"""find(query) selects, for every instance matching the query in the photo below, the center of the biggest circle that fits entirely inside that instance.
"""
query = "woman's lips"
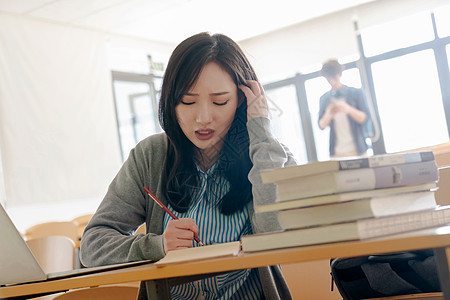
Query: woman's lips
(204, 134)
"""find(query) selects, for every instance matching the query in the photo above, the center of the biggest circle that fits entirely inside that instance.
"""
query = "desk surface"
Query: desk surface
(431, 238)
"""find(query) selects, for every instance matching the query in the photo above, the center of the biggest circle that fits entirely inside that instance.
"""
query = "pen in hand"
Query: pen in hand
(167, 210)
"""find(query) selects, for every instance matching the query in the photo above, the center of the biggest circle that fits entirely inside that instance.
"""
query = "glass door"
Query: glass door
(136, 108)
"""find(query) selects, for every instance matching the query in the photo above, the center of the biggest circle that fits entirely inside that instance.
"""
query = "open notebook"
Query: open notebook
(18, 264)
(200, 253)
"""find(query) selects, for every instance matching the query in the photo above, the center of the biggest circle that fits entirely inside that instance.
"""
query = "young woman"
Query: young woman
(205, 167)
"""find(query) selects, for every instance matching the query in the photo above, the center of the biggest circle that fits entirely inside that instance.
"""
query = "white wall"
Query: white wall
(2, 185)
(128, 54)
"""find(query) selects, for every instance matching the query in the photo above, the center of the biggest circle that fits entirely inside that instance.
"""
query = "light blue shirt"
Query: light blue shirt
(215, 227)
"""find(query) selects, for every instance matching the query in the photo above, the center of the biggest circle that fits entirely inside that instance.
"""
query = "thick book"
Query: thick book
(200, 253)
(280, 174)
(358, 180)
(357, 230)
(342, 197)
(356, 209)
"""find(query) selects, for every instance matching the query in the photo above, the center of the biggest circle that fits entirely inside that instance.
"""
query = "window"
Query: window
(286, 122)
(447, 48)
(409, 101)
(442, 17)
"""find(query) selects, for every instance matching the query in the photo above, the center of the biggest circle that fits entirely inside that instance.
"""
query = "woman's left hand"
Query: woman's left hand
(256, 100)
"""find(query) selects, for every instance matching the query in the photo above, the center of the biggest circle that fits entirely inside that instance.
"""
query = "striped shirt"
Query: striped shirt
(215, 227)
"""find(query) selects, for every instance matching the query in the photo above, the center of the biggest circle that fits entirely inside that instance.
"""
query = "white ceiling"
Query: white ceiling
(173, 20)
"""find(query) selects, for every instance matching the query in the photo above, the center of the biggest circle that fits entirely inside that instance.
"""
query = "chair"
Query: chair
(141, 229)
(81, 223)
(101, 292)
(54, 253)
(443, 193)
(68, 229)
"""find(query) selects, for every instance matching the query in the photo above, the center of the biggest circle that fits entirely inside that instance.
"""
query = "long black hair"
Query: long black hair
(180, 176)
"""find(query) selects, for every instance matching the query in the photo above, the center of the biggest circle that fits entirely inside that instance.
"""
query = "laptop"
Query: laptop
(18, 264)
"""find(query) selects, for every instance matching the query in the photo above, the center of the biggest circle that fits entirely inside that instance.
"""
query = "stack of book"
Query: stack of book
(351, 199)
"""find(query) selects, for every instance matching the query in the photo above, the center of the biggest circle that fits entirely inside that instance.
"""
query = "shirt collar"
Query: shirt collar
(210, 172)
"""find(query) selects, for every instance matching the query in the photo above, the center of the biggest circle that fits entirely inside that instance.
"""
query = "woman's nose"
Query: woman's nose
(204, 114)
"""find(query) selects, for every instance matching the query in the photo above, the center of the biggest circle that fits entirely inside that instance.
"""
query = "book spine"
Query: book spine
(406, 174)
(386, 160)
(387, 176)
(309, 186)
(376, 227)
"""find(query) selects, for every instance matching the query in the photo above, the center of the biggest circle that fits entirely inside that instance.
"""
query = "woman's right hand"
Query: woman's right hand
(256, 100)
(179, 234)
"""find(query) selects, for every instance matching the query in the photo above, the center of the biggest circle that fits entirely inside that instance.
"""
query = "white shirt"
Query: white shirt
(345, 146)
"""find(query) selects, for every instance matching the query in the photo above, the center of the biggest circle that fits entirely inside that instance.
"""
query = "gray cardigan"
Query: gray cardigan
(109, 239)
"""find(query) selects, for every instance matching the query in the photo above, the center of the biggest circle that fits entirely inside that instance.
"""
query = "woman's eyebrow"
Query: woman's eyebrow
(219, 93)
(211, 94)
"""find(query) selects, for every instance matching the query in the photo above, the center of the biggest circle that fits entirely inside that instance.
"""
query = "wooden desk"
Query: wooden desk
(439, 239)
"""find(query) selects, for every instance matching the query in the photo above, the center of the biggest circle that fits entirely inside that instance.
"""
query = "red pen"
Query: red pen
(167, 210)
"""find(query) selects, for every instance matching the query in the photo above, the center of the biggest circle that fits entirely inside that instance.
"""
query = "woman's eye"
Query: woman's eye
(187, 102)
(221, 103)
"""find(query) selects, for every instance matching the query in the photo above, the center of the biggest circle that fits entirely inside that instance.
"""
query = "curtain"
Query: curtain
(58, 133)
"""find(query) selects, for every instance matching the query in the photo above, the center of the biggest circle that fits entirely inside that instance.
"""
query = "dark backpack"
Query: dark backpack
(392, 274)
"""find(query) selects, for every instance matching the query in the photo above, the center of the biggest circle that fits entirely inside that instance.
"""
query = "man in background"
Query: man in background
(345, 110)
